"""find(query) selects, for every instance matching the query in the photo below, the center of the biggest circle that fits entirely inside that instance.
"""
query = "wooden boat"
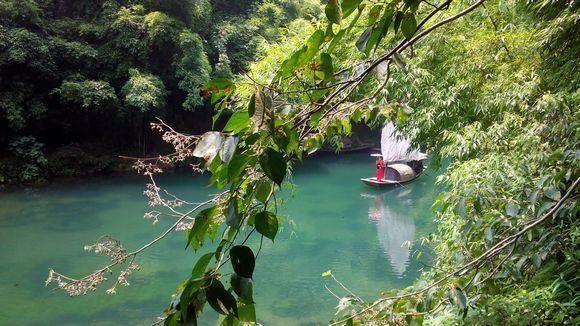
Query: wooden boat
(397, 163)
(397, 174)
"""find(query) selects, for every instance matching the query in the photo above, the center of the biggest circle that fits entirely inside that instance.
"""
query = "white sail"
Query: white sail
(395, 148)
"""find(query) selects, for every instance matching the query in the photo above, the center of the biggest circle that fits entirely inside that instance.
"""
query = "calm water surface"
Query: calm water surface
(332, 221)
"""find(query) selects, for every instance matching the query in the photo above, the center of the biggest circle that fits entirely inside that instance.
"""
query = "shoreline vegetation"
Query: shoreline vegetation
(82, 80)
(247, 89)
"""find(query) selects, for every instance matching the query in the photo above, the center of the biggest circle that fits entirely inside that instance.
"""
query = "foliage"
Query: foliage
(90, 94)
(118, 60)
(144, 91)
(27, 161)
(489, 87)
(194, 68)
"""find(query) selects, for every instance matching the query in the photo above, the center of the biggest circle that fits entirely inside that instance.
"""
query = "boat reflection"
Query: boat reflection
(394, 225)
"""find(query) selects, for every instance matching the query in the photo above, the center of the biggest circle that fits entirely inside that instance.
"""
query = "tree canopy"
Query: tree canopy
(490, 86)
(92, 73)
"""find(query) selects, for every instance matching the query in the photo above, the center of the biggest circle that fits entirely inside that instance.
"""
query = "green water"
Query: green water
(333, 222)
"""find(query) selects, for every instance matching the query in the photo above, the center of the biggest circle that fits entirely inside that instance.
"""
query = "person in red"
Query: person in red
(380, 168)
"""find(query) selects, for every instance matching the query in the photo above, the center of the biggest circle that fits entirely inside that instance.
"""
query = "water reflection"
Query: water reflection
(394, 225)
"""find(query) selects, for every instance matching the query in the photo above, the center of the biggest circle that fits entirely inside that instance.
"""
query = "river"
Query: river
(332, 222)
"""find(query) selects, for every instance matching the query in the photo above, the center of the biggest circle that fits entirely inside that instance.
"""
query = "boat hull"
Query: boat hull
(383, 183)
(373, 182)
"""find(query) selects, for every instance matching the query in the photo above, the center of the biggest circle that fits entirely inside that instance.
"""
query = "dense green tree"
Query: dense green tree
(87, 72)
(491, 86)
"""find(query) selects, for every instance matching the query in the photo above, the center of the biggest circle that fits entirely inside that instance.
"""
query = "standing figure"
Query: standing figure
(380, 168)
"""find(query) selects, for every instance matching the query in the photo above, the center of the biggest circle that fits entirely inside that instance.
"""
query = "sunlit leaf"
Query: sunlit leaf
(348, 6)
(237, 165)
(247, 312)
(208, 145)
(312, 46)
(374, 14)
(264, 190)
(201, 225)
(333, 11)
(201, 265)
(239, 121)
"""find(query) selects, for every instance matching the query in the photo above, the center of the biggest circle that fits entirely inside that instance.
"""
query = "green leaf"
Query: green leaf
(488, 234)
(237, 165)
(239, 121)
(336, 40)
(242, 286)
(290, 64)
(333, 11)
(398, 18)
(201, 265)
(458, 298)
(243, 261)
(267, 224)
(221, 300)
(383, 26)
(230, 320)
(374, 14)
(373, 39)
(189, 316)
(312, 46)
(512, 209)
(196, 235)
(273, 165)
(232, 215)
(247, 312)
(461, 208)
(325, 70)
(293, 142)
(348, 6)
(172, 320)
(553, 193)
(263, 191)
(363, 39)
(409, 25)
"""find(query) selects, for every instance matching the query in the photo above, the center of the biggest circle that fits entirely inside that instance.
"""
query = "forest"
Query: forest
(82, 80)
(247, 90)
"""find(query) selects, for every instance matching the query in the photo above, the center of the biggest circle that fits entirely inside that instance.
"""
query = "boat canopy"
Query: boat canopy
(396, 148)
